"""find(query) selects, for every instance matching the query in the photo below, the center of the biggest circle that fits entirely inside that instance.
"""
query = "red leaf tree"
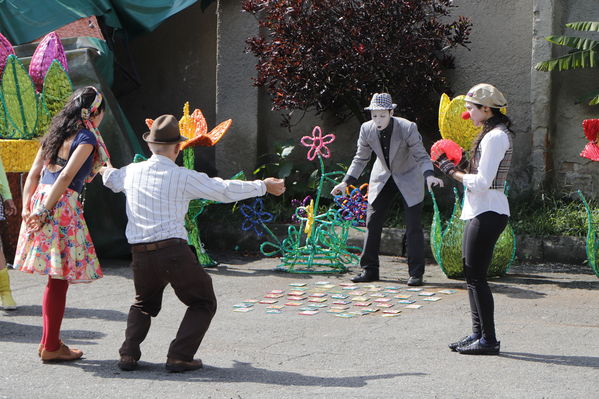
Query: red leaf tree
(331, 55)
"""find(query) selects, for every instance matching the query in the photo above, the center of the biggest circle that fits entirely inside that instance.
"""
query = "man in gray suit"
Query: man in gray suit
(402, 165)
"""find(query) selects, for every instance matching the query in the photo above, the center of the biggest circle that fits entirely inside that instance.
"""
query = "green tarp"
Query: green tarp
(23, 21)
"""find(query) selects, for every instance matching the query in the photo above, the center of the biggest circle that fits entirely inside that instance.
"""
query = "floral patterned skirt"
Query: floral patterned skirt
(62, 248)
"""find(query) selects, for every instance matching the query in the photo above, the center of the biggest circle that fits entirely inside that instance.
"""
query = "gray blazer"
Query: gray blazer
(408, 158)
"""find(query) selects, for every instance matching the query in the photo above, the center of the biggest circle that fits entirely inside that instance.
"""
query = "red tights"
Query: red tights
(53, 304)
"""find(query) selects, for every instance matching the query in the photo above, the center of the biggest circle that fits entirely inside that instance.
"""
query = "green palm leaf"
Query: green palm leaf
(19, 98)
(584, 26)
(579, 43)
(594, 100)
(575, 60)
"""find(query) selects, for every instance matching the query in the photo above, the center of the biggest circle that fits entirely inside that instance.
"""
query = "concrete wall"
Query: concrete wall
(570, 171)
(176, 63)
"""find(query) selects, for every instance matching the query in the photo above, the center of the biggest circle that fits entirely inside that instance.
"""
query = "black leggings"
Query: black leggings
(480, 235)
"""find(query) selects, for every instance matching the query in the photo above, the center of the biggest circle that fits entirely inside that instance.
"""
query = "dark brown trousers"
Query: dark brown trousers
(154, 266)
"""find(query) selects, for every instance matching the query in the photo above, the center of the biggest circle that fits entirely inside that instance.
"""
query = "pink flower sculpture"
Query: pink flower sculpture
(317, 143)
(49, 49)
(591, 131)
(5, 50)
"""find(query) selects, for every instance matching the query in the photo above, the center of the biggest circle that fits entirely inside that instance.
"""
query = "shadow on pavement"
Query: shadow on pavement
(26, 333)
(70, 313)
(240, 372)
(560, 360)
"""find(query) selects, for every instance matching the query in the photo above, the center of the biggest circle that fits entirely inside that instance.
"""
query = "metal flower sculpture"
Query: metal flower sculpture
(318, 143)
(319, 243)
(296, 204)
(353, 207)
(255, 216)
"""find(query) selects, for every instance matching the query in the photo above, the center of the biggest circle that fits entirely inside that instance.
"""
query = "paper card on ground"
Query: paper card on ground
(384, 305)
(273, 295)
(342, 307)
(322, 283)
(243, 310)
(295, 298)
(341, 302)
(432, 299)
(361, 304)
(308, 312)
(413, 306)
(350, 287)
(345, 315)
(390, 314)
(274, 311)
(414, 289)
(359, 298)
(297, 284)
(268, 301)
(447, 292)
(275, 307)
(296, 293)
(402, 296)
(250, 301)
(294, 304)
(242, 305)
(382, 300)
(391, 311)
(426, 293)
(318, 300)
(408, 301)
(317, 295)
(339, 296)
(276, 291)
(359, 293)
(317, 305)
(335, 310)
(378, 295)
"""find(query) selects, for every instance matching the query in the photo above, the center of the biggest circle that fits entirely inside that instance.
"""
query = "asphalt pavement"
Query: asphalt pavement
(547, 319)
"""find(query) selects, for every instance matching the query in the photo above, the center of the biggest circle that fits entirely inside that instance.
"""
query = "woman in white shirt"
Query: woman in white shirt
(486, 210)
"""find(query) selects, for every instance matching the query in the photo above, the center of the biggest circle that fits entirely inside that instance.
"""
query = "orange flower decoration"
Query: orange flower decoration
(195, 128)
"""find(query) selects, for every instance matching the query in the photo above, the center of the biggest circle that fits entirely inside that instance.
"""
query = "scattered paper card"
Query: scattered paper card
(294, 304)
(414, 289)
(243, 310)
(432, 299)
(426, 293)
(268, 301)
(447, 292)
(309, 312)
(413, 306)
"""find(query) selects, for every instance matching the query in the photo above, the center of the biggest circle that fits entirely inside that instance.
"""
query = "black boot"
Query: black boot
(366, 276)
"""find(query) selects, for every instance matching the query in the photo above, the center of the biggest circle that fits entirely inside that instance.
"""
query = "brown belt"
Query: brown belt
(153, 246)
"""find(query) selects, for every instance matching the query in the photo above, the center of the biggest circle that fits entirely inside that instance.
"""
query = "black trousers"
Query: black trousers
(152, 271)
(480, 235)
(375, 217)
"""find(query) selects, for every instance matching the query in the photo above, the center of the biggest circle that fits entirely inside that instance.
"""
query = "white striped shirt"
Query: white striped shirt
(158, 192)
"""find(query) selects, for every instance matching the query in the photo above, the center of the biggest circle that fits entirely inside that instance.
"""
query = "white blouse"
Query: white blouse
(479, 197)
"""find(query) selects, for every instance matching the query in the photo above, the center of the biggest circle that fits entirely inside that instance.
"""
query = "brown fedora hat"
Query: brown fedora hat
(164, 130)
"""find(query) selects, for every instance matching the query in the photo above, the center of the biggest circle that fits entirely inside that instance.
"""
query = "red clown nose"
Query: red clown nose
(466, 115)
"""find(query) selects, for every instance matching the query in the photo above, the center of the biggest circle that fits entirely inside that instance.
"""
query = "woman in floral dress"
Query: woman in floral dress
(54, 239)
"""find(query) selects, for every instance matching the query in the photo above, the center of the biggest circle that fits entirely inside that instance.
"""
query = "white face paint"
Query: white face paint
(381, 118)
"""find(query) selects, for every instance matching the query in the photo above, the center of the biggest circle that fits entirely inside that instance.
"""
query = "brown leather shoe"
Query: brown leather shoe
(63, 354)
(177, 366)
(127, 363)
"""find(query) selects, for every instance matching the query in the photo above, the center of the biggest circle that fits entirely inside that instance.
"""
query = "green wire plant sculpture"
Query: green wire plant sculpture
(319, 244)
(447, 244)
(592, 242)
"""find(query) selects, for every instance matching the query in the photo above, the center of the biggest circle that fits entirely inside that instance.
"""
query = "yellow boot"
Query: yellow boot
(8, 303)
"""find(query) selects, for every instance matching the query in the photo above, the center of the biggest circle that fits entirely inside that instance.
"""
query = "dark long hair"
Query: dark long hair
(68, 122)
(498, 118)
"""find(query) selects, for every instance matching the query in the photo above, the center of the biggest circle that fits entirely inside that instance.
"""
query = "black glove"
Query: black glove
(463, 165)
(445, 165)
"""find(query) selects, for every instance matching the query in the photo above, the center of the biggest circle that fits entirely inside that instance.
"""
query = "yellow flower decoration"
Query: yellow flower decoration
(309, 219)
(451, 124)
(18, 155)
(187, 126)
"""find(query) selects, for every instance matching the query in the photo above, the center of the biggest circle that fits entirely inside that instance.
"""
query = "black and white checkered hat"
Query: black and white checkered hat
(380, 101)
